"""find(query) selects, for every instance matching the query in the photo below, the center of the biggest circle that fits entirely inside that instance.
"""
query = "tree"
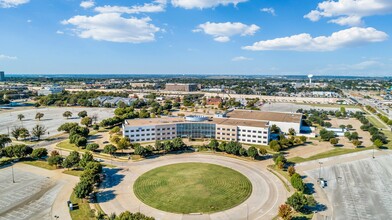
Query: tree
(21, 117)
(4, 139)
(115, 139)
(213, 145)
(222, 146)
(81, 142)
(38, 131)
(252, 152)
(285, 212)
(303, 138)
(263, 151)
(275, 129)
(15, 132)
(291, 170)
(39, 153)
(178, 144)
(39, 115)
(115, 130)
(83, 189)
(123, 143)
(72, 160)
(274, 145)
(349, 127)
(297, 182)
(87, 157)
(342, 127)
(298, 201)
(243, 152)
(326, 135)
(92, 146)
(86, 121)
(56, 160)
(334, 141)
(109, 149)
(292, 131)
(327, 124)
(67, 127)
(67, 114)
(378, 143)
(159, 145)
(82, 114)
(356, 143)
(139, 150)
(24, 133)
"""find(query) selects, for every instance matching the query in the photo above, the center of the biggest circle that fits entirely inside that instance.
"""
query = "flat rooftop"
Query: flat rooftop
(264, 116)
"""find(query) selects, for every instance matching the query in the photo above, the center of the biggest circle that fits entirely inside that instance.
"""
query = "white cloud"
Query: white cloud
(156, 6)
(5, 57)
(223, 31)
(190, 4)
(305, 42)
(12, 3)
(269, 10)
(87, 4)
(113, 27)
(240, 58)
(29, 21)
(59, 32)
(349, 12)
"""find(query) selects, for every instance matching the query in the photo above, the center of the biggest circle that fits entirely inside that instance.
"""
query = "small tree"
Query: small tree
(342, 127)
(109, 149)
(291, 170)
(39, 115)
(356, 143)
(86, 121)
(243, 152)
(56, 160)
(87, 157)
(292, 131)
(4, 139)
(67, 114)
(303, 138)
(39, 153)
(378, 143)
(252, 152)
(92, 146)
(123, 143)
(82, 114)
(263, 151)
(21, 117)
(274, 145)
(298, 201)
(285, 212)
(334, 141)
(38, 131)
(297, 182)
(213, 145)
(83, 189)
(275, 129)
(139, 150)
(349, 127)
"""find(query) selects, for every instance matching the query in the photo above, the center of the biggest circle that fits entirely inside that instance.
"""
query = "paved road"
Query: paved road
(268, 191)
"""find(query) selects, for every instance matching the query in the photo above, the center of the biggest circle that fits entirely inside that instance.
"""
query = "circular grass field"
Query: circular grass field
(192, 188)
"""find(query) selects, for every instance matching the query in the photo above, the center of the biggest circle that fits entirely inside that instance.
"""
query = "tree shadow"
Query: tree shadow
(309, 188)
(94, 137)
(112, 177)
(105, 196)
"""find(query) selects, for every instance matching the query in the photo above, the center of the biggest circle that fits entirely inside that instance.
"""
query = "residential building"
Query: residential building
(251, 127)
(181, 87)
(214, 101)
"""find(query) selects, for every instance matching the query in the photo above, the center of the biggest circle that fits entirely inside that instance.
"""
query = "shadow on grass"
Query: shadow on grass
(105, 196)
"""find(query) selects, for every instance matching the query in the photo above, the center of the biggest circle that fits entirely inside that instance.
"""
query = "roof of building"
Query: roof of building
(239, 122)
(265, 116)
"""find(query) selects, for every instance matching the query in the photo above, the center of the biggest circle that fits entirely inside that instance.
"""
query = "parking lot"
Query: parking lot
(359, 189)
(53, 117)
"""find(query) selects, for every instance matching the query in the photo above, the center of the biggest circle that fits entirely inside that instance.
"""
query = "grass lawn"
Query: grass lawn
(376, 122)
(83, 211)
(68, 146)
(335, 152)
(192, 188)
(330, 105)
(73, 172)
(41, 164)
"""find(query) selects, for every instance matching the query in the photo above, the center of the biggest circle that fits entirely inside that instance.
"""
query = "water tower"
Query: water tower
(310, 76)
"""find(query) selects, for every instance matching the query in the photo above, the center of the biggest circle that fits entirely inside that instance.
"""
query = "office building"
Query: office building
(2, 76)
(181, 87)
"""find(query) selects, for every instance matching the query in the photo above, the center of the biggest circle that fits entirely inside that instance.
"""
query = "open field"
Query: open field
(192, 188)
(358, 187)
(53, 117)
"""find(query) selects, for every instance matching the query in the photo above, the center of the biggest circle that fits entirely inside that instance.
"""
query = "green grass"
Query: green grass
(192, 188)
(331, 153)
(41, 164)
(68, 146)
(73, 172)
(83, 211)
(376, 122)
(330, 105)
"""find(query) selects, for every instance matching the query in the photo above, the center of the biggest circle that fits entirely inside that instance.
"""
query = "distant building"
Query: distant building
(181, 87)
(214, 101)
(143, 85)
(49, 90)
(111, 101)
(2, 76)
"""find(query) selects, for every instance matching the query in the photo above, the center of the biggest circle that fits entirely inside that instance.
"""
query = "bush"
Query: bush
(92, 146)
(81, 142)
(253, 152)
(298, 201)
(297, 182)
(39, 153)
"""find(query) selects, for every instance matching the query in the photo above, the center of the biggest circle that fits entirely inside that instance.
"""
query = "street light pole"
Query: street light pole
(12, 168)
(373, 152)
(320, 170)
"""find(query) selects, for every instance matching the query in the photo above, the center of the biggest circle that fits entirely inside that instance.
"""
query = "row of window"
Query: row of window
(224, 138)
(225, 134)
(168, 133)
(224, 129)
(152, 129)
(151, 139)
(254, 136)
(253, 131)
(253, 141)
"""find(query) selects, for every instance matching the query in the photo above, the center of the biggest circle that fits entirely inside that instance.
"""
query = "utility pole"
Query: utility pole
(320, 171)
(12, 168)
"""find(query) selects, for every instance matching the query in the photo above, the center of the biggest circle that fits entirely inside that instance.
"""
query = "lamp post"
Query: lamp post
(12, 169)
(320, 171)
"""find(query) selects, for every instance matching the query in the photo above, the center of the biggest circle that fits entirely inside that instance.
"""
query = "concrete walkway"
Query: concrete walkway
(268, 191)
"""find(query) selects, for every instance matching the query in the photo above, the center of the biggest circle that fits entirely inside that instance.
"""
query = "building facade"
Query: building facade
(181, 87)
(2, 76)
(48, 90)
(252, 129)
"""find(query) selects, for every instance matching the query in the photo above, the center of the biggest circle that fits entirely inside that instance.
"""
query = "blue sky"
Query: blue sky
(338, 37)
